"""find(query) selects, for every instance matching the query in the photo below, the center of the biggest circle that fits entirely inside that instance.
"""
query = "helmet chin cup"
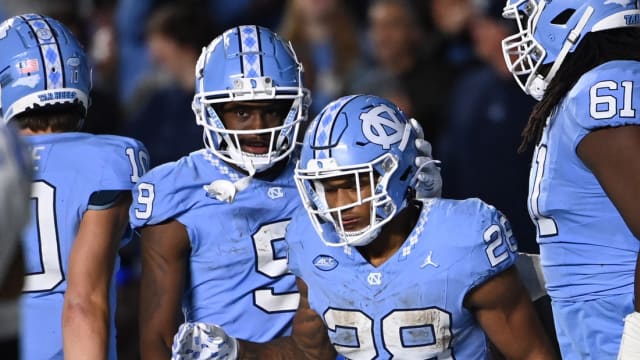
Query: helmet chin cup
(362, 238)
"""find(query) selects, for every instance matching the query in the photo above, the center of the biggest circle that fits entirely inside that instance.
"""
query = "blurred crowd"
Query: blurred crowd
(440, 60)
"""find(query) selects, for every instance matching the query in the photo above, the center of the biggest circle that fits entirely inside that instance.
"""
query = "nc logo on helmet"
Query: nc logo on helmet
(382, 130)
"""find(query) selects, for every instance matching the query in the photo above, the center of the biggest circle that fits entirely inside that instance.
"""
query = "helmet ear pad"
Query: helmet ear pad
(249, 64)
(43, 66)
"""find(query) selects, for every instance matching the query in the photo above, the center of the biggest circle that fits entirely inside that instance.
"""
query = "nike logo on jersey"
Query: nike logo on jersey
(428, 261)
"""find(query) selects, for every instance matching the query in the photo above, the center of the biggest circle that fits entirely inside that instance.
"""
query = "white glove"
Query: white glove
(429, 180)
(199, 341)
(630, 342)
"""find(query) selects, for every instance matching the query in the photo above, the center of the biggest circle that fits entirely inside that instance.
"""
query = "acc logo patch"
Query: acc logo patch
(325, 262)
(381, 126)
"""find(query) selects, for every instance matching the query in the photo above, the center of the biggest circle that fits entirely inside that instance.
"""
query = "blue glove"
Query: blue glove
(199, 341)
(429, 180)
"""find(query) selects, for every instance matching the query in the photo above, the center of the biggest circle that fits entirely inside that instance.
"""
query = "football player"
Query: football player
(580, 59)
(212, 223)
(383, 276)
(80, 193)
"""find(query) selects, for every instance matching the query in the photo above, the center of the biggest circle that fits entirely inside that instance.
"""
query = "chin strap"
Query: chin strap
(225, 190)
(538, 85)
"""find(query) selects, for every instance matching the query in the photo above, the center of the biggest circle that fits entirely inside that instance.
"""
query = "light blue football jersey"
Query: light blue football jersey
(238, 276)
(586, 249)
(69, 168)
(410, 307)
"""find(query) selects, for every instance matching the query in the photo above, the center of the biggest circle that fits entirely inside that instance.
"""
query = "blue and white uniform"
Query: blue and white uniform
(237, 275)
(411, 306)
(68, 169)
(588, 253)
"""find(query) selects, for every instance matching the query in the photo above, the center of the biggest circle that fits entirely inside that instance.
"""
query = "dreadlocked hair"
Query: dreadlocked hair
(595, 49)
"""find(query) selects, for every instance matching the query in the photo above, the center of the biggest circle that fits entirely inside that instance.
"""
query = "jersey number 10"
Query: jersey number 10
(44, 194)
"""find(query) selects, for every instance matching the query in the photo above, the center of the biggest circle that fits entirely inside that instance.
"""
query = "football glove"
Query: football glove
(429, 180)
(199, 341)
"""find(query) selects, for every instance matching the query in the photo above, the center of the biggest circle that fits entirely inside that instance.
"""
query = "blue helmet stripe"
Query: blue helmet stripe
(250, 51)
(322, 139)
(53, 49)
(26, 19)
(49, 51)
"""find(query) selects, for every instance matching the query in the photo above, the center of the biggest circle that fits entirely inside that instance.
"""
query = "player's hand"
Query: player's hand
(429, 182)
(197, 341)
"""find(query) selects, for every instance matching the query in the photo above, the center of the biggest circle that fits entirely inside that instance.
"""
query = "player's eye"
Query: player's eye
(241, 113)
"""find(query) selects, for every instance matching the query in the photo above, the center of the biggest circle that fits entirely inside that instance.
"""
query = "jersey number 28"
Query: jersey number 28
(406, 334)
